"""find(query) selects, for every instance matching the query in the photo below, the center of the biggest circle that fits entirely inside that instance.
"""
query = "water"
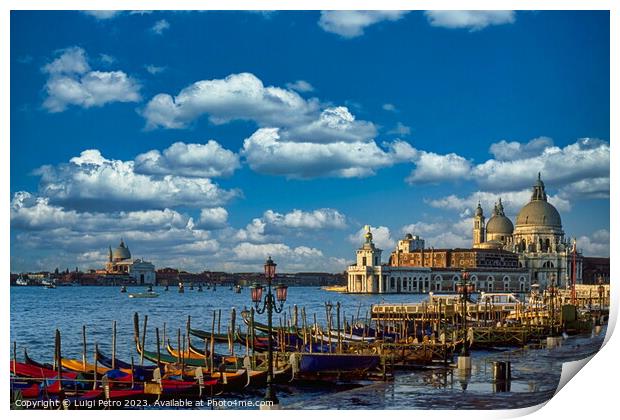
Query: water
(37, 312)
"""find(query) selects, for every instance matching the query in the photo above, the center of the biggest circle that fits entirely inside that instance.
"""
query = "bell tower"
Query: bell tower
(479, 234)
(368, 255)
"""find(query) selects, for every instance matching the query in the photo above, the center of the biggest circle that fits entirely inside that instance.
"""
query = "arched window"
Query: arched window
(490, 283)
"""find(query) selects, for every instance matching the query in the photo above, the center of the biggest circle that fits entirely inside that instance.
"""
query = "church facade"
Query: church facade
(537, 238)
(121, 263)
(503, 258)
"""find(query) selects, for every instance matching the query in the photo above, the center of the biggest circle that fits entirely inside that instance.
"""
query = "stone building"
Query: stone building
(537, 238)
(121, 263)
(413, 269)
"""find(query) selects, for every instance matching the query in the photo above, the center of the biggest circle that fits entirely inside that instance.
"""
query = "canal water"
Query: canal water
(37, 312)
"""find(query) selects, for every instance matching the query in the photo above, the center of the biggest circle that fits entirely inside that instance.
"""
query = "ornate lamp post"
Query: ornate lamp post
(464, 289)
(269, 305)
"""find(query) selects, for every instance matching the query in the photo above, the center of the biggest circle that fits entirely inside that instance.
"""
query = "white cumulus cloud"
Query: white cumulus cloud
(191, 160)
(300, 86)
(469, 19)
(267, 153)
(381, 237)
(595, 245)
(72, 82)
(237, 97)
(90, 181)
(160, 26)
(352, 23)
(433, 167)
(274, 226)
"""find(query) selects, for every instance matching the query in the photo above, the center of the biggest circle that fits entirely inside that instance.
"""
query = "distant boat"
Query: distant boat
(166, 288)
(150, 289)
(181, 288)
(48, 283)
(144, 295)
(237, 289)
(21, 281)
(123, 289)
(200, 287)
(191, 286)
(214, 287)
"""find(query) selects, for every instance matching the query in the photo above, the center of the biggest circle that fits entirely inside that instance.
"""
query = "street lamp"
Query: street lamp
(269, 305)
(464, 289)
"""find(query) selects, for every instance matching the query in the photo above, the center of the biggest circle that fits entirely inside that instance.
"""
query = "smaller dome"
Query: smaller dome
(500, 224)
(479, 210)
(409, 236)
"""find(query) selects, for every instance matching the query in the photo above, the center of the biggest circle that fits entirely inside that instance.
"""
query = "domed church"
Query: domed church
(537, 238)
(121, 263)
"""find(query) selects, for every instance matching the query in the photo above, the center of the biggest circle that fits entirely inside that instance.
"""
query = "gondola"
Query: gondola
(140, 373)
(204, 335)
(327, 366)
(196, 355)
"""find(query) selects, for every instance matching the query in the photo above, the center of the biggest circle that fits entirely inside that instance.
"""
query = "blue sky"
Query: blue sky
(210, 140)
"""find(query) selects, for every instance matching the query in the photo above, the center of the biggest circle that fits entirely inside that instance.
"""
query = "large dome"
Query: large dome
(500, 224)
(539, 213)
(121, 252)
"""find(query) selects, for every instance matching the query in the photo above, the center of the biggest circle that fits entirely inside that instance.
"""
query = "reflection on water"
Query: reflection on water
(37, 312)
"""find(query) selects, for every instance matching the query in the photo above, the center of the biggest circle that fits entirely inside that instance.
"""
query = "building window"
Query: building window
(364, 261)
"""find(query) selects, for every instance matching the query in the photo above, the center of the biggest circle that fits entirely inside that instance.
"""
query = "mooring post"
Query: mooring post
(212, 345)
(158, 346)
(146, 317)
(96, 367)
(15, 358)
(252, 339)
(189, 327)
(84, 348)
(113, 344)
(179, 345)
(59, 357)
(136, 329)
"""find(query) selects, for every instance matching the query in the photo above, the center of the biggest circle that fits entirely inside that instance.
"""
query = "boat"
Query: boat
(150, 288)
(48, 283)
(166, 288)
(143, 295)
(200, 287)
(195, 357)
(181, 287)
(237, 289)
(123, 289)
(140, 372)
(81, 367)
(327, 366)
(21, 281)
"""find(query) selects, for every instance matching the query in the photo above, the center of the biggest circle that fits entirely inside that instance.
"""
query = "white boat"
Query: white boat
(506, 300)
(48, 283)
(21, 281)
(143, 295)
